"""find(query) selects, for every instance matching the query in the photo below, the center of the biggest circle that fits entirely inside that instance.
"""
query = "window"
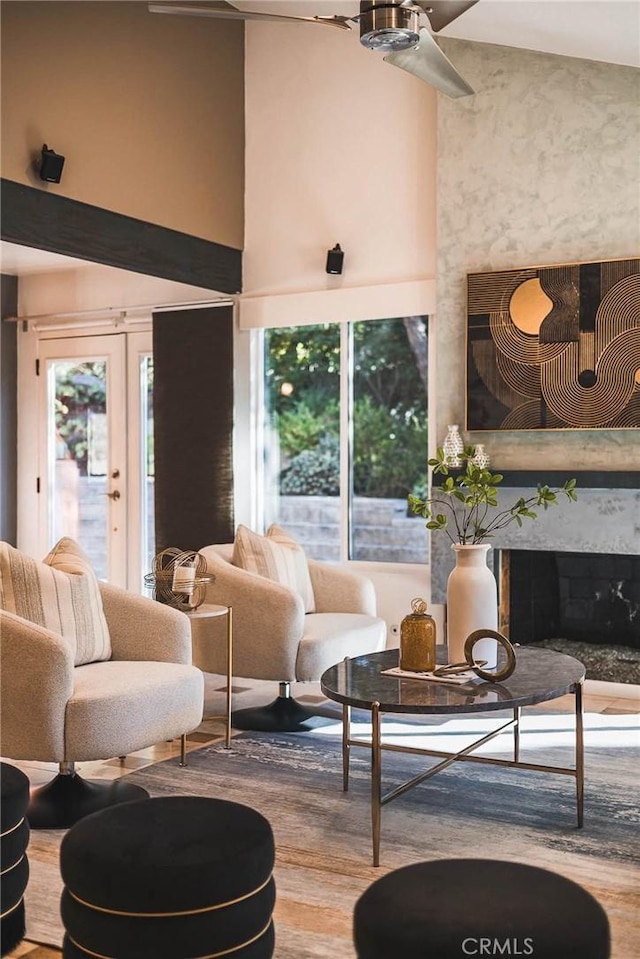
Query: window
(345, 437)
(146, 460)
(78, 465)
(87, 436)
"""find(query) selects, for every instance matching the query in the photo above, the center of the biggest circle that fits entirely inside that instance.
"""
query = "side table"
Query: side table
(209, 611)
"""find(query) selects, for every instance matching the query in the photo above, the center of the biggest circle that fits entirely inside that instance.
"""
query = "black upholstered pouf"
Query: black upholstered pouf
(472, 907)
(261, 949)
(14, 865)
(169, 878)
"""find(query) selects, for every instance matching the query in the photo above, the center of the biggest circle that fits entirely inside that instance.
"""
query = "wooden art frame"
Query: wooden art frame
(554, 347)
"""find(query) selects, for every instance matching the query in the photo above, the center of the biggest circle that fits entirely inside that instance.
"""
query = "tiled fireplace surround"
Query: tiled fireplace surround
(593, 543)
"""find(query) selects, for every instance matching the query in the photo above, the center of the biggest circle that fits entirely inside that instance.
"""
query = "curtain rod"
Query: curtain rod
(121, 311)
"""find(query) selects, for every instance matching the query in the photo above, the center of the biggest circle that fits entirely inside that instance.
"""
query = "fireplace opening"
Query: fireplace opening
(583, 604)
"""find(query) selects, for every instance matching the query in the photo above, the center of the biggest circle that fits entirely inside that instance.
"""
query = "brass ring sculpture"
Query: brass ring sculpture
(492, 677)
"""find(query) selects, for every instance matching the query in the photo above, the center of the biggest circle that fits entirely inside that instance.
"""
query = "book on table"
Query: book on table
(453, 679)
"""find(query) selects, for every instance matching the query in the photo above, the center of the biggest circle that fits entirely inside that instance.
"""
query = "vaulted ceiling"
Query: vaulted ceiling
(603, 30)
(606, 30)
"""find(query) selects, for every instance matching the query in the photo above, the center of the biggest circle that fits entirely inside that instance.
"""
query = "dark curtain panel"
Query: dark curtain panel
(8, 411)
(193, 424)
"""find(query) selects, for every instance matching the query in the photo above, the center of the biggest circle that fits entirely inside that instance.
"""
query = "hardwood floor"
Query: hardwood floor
(211, 730)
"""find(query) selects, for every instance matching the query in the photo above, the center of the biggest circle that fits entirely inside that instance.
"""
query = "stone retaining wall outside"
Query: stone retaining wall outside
(382, 531)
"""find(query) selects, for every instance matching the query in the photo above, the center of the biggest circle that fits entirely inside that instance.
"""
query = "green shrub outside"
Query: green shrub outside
(314, 472)
(389, 451)
(302, 428)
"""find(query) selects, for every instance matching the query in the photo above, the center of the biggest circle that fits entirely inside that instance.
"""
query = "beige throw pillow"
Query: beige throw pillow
(62, 594)
(278, 557)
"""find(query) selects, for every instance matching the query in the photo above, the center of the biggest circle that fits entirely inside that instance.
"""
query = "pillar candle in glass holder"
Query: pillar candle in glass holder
(184, 580)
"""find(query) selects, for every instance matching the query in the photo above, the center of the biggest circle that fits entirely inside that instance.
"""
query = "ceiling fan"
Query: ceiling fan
(388, 26)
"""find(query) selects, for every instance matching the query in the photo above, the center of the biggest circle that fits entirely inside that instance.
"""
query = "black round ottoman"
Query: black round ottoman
(169, 878)
(14, 865)
(478, 907)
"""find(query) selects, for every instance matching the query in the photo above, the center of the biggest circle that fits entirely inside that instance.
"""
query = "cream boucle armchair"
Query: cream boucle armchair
(147, 692)
(273, 637)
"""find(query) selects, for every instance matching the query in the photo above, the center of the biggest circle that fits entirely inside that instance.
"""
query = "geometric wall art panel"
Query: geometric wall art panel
(554, 347)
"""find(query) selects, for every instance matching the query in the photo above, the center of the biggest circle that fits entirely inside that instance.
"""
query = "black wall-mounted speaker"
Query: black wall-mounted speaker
(335, 259)
(51, 164)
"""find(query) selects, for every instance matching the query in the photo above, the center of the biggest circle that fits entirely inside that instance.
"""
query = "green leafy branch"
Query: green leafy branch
(464, 506)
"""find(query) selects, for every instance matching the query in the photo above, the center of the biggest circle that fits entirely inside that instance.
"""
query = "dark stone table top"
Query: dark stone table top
(540, 675)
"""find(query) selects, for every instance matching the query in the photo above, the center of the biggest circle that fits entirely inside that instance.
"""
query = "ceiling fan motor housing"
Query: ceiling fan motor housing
(387, 26)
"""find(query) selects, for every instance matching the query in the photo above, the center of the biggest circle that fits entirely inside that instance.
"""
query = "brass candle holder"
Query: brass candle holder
(178, 578)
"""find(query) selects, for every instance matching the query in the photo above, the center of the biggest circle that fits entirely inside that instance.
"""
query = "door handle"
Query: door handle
(115, 495)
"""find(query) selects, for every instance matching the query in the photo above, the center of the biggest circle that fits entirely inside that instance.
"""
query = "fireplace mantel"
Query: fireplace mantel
(585, 479)
(605, 519)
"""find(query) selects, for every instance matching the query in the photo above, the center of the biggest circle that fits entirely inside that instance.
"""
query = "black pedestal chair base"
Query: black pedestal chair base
(283, 715)
(67, 798)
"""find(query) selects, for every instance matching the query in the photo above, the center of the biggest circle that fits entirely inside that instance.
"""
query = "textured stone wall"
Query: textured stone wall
(540, 167)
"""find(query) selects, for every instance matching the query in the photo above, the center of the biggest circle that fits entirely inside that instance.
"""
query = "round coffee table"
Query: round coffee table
(540, 675)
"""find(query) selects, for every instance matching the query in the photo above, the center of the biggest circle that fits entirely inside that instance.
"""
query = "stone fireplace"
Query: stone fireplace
(571, 578)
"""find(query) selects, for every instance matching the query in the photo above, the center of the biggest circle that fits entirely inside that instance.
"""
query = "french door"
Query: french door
(95, 450)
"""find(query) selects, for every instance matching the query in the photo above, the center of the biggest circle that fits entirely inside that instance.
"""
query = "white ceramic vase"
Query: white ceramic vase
(472, 603)
(453, 446)
(480, 457)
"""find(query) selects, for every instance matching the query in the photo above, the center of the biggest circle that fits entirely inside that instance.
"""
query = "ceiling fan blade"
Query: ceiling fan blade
(230, 13)
(427, 62)
(441, 12)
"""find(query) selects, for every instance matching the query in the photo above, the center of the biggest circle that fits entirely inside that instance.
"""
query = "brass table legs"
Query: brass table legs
(227, 741)
(209, 611)
(346, 727)
(375, 744)
(376, 781)
(579, 756)
(227, 713)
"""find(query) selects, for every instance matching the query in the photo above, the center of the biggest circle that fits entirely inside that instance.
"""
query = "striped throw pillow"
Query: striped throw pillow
(278, 557)
(62, 594)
